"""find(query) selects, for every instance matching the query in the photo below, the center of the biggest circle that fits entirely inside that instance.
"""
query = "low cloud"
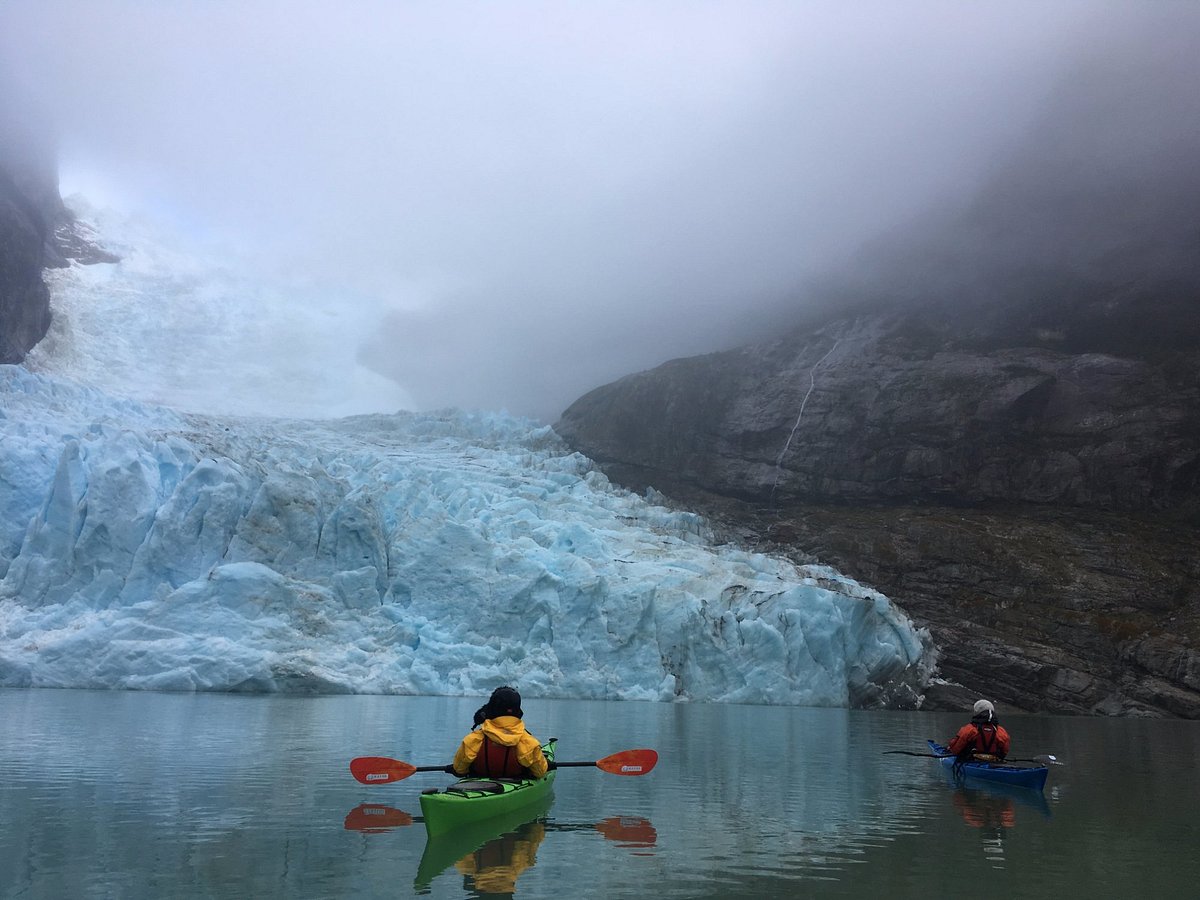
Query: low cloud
(535, 198)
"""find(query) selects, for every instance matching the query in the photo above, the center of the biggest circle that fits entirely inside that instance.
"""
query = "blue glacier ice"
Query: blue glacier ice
(440, 553)
(201, 544)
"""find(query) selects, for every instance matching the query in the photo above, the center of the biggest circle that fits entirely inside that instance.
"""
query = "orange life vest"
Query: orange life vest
(495, 760)
(978, 738)
(987, 740)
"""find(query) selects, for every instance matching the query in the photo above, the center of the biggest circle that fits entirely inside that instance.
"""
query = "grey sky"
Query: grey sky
(541, 197)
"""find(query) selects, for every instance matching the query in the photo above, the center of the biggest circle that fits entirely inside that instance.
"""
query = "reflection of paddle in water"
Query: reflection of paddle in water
(633, 832)
(630, 832)
(372, 818)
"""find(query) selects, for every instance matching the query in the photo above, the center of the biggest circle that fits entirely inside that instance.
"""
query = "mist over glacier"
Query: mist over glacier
(189, 323)
(146, 548)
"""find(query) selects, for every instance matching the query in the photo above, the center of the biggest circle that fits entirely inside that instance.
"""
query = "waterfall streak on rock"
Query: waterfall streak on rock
(812, 383)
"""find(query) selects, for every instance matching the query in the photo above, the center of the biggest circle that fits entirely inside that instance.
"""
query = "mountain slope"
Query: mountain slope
(994, 418)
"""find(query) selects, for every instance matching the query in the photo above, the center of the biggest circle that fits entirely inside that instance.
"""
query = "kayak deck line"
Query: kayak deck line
(478, 787)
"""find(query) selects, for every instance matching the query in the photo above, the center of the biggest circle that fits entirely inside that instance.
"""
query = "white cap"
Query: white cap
(984, 706)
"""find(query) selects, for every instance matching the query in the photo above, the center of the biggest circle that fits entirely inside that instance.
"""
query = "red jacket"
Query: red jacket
(981, 737)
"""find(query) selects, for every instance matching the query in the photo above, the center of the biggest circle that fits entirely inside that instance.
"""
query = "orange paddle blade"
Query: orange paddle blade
(371, 818)
(380, 769)
(629, 762)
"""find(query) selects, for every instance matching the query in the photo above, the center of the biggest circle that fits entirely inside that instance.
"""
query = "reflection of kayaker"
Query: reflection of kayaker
(483, 845)
(501, 748)
(495, 867)
(980, 809)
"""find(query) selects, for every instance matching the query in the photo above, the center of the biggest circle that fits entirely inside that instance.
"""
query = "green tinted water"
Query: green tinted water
(137, 795)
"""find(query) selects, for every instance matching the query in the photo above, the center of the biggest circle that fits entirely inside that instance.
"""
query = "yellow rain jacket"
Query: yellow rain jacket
(503, 733)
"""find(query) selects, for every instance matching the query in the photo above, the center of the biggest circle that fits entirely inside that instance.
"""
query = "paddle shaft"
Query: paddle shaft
(925, 755)
(1011, 759)
(384, 769)
(555, 765)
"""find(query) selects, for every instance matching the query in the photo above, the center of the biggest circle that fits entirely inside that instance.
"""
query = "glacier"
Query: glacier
(203, 489)
(142, 547)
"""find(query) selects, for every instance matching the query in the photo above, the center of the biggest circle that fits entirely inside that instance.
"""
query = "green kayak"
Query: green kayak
(471, 800)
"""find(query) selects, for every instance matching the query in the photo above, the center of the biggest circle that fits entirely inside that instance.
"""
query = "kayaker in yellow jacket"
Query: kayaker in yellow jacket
(501, 748)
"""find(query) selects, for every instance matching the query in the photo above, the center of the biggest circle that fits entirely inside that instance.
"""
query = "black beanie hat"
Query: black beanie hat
(505, 701)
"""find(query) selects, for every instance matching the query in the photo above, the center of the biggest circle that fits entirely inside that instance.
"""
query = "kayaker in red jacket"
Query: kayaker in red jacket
(501, 748)
(982, 737)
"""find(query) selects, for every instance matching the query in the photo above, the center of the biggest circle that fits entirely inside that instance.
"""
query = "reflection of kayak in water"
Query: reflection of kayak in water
(491, 840)
(503, 848)
(986, 797)
(1033, 777)
(996, 806)
(471, 800)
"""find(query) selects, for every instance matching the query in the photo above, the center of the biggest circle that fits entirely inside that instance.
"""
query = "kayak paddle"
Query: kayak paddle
(626, 762)
(384, 769)
(1047, 759)
(914, 753)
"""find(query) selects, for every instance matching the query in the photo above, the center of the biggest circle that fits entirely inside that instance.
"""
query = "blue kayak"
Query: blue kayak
(1017, 776)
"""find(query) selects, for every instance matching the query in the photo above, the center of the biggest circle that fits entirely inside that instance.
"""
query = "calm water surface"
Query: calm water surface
(141, 795)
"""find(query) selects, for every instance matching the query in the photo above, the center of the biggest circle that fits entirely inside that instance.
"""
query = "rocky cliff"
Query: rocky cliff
(36, 228)
(994, 417)
(24, 299)
(1037, 509)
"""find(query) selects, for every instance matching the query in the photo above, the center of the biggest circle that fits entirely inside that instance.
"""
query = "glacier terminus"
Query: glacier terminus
(143, 547)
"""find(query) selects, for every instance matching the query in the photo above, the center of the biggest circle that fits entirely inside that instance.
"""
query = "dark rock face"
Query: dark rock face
(994, 416)
(857, 414)
(36, 228)
(1036, 508)
(24, 299)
